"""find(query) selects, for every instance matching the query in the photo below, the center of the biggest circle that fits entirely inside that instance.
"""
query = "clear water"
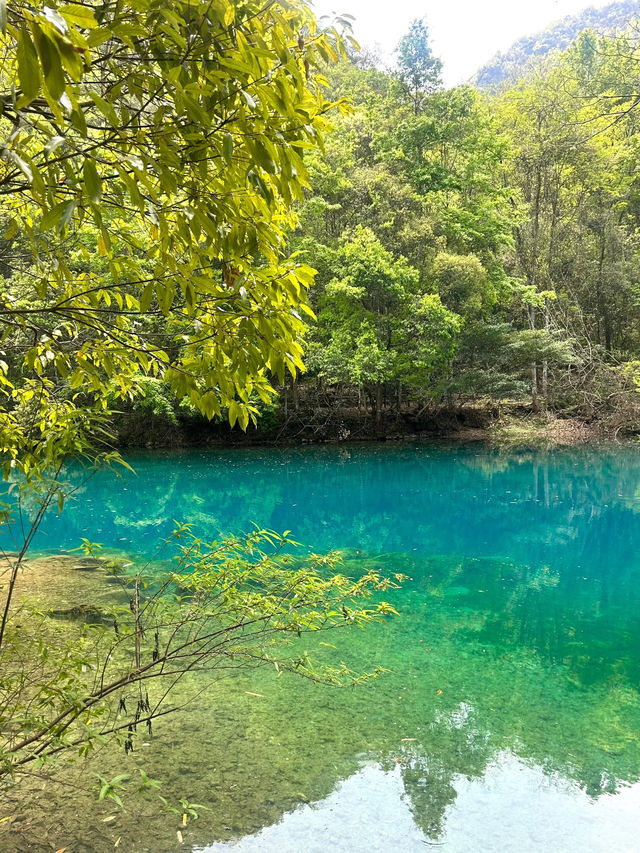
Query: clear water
(510, 719)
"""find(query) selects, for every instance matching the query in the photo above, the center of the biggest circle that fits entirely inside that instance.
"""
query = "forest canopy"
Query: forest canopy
(473, 247)
(177, 239)
(151, 155)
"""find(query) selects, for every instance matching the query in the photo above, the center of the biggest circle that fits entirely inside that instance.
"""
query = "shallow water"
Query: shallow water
(510, 719)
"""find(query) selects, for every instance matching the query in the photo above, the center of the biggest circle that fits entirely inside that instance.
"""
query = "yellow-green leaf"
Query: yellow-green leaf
(92, 182)
(28, 65)
(80, 16)
(227, 148)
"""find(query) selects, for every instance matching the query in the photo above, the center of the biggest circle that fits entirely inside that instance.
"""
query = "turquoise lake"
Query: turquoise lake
(509, 719)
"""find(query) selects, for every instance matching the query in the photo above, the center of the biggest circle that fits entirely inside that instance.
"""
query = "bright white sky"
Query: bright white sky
(465, 33)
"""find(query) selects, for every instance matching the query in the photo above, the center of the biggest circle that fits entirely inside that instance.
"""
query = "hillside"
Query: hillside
(527, 52)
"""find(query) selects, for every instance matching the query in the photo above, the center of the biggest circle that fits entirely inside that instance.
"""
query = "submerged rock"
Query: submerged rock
(87, 613)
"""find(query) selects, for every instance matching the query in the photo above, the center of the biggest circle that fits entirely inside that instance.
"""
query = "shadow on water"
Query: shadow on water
(510, 714)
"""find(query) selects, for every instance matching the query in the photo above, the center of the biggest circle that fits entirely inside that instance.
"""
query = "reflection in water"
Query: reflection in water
(510, 716)
(574, 506)
(366, 812)
(514, 808)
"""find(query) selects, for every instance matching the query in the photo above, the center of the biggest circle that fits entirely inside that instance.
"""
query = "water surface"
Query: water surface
(510, 718)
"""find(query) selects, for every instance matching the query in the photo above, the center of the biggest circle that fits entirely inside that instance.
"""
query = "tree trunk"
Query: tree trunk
(534, 281)
(545, 363)
(602, 302)
(547, 317)
(379, 390)
(535, 404)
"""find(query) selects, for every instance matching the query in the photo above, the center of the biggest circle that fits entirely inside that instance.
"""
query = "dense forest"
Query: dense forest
(464, 254)
(472, 251)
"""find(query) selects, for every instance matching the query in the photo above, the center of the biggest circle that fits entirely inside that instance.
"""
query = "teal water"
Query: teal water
(569, 507)
(510, 718)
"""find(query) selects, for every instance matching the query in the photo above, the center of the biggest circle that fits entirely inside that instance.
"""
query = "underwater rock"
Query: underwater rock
(88, 613)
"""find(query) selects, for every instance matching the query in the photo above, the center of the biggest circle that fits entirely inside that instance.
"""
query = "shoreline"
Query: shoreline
(509, 428)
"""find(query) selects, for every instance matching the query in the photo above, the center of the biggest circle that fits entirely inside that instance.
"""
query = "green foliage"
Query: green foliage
(164, 145)
(108, 788)
(419, 69)
(519, 212)
(374, 324)
(463, 283)
(168, 198)
(409, 228)
(155, 403)
(230, 603)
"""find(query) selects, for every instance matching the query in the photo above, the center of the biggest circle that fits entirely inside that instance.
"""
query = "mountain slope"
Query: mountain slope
(527, 52)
